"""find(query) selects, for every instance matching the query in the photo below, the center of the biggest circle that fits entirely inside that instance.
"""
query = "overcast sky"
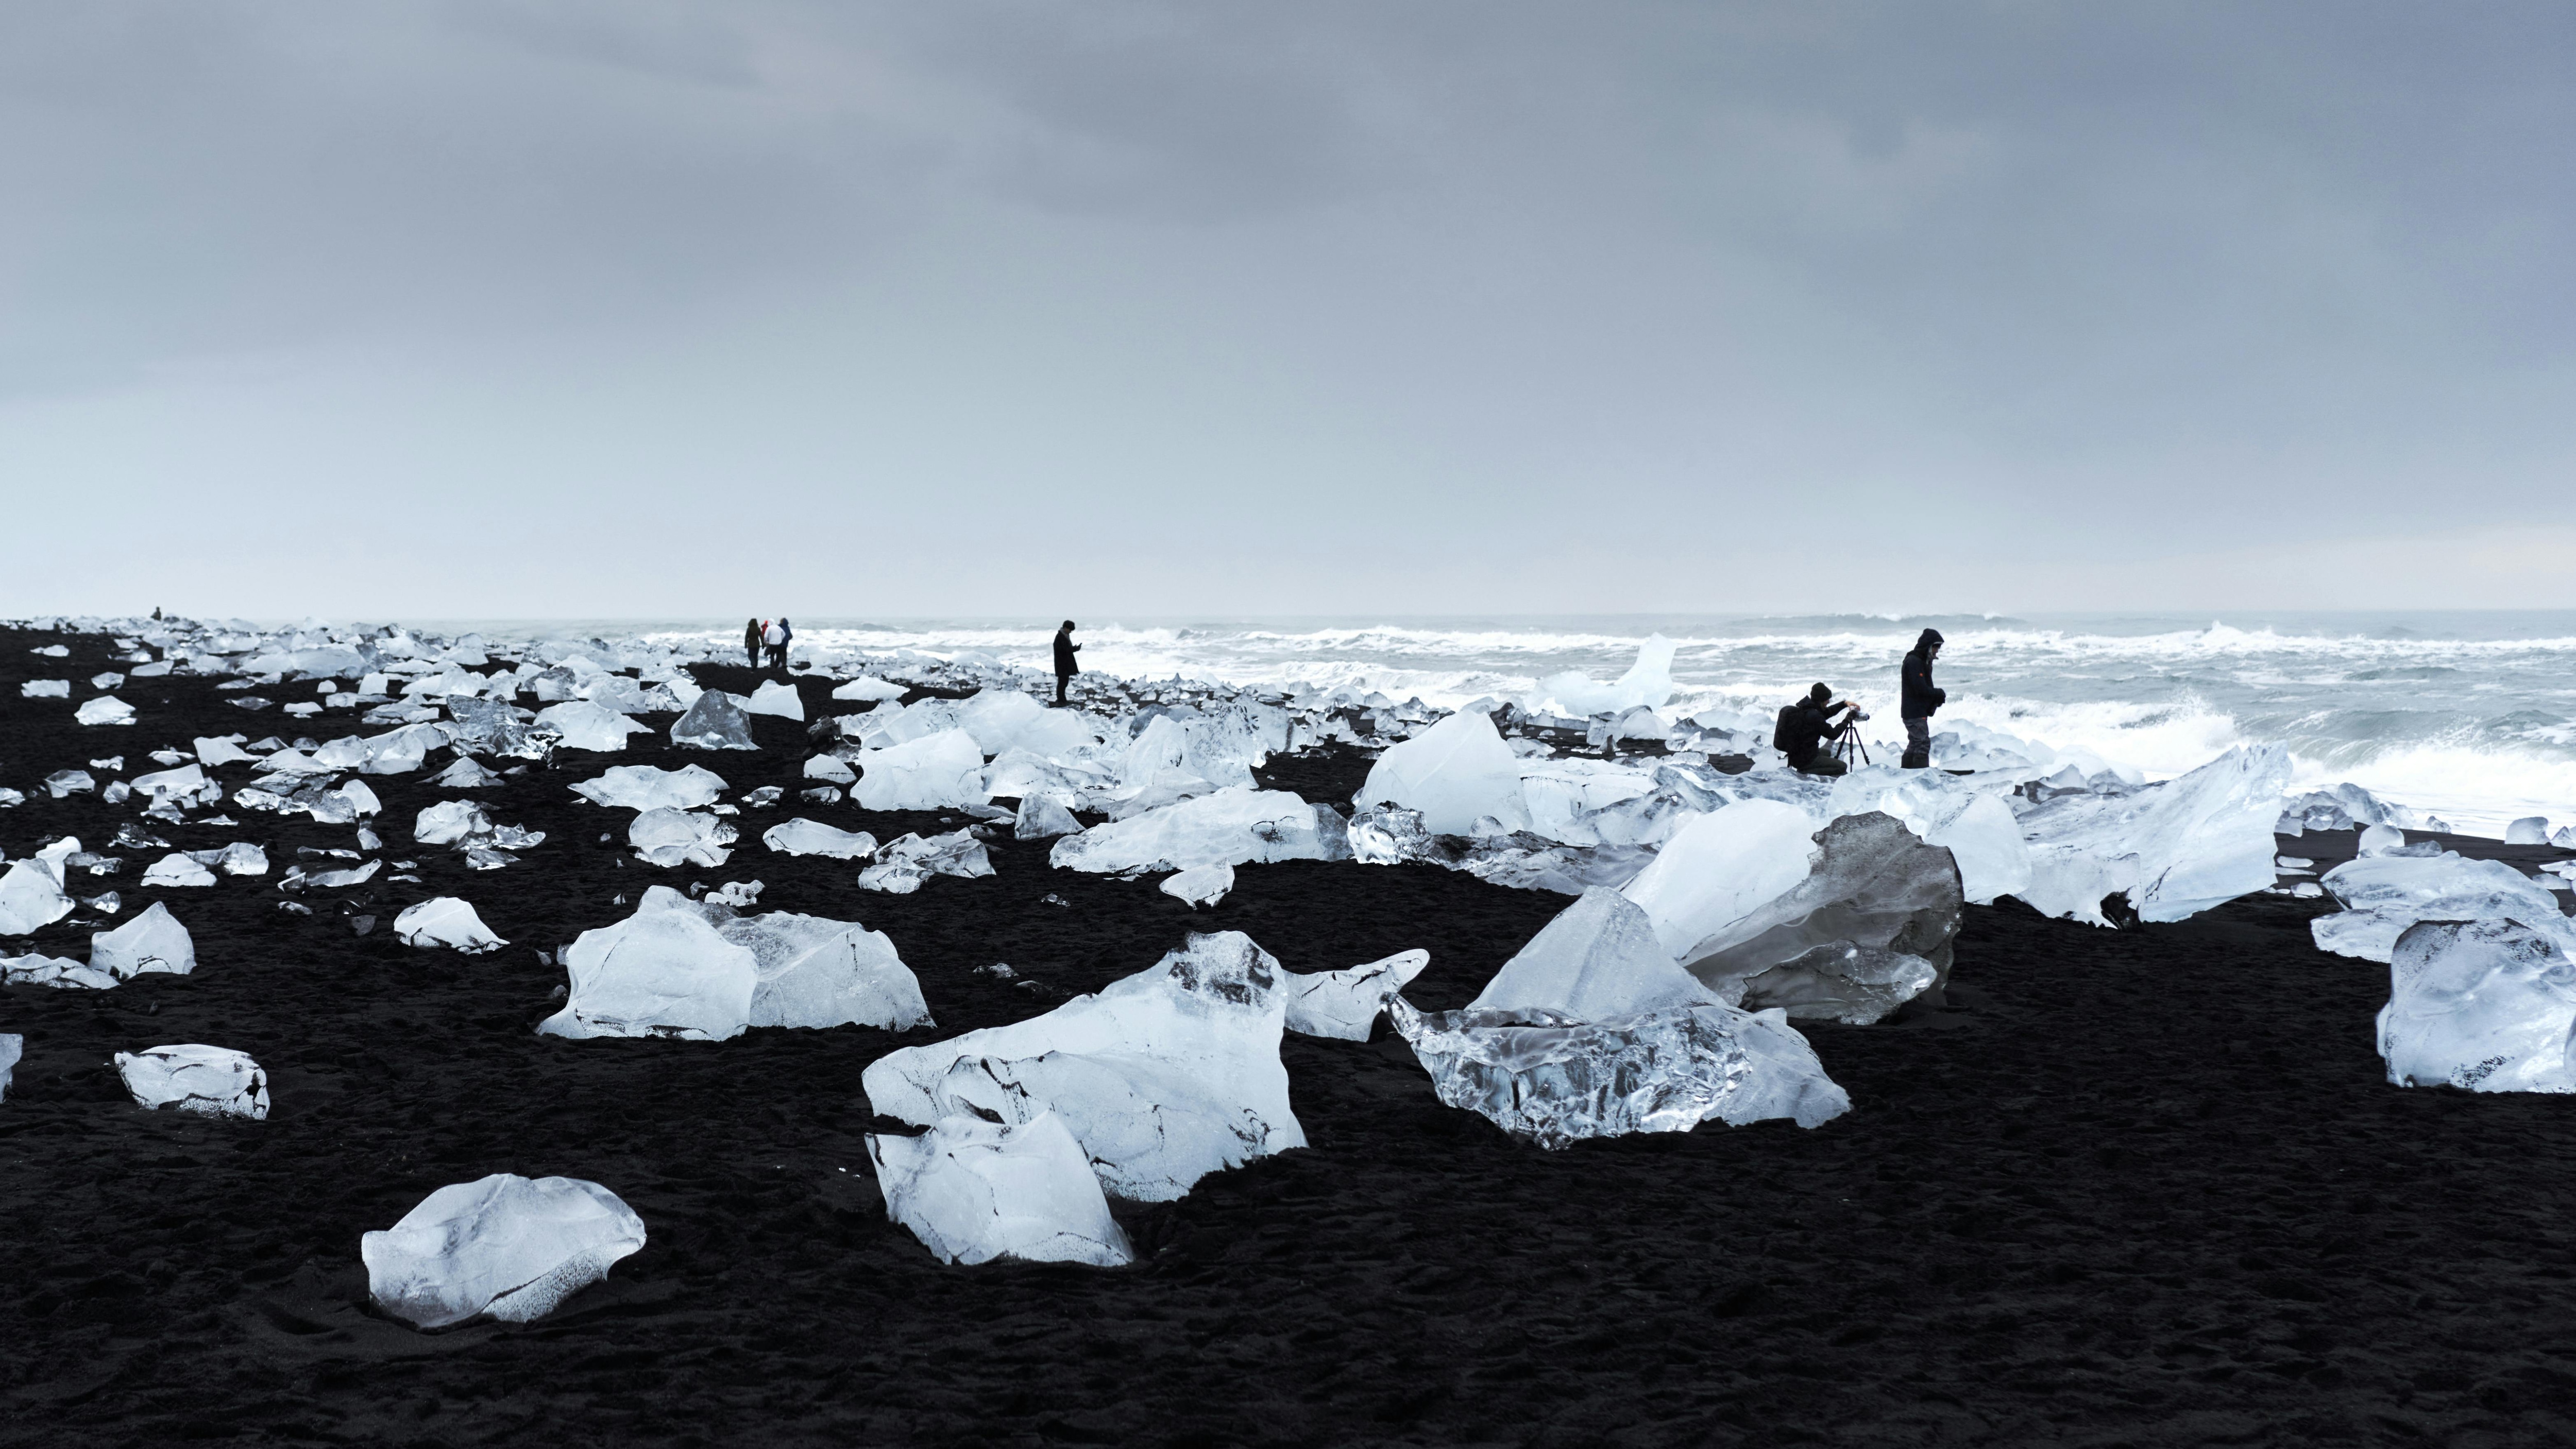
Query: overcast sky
(625, 308)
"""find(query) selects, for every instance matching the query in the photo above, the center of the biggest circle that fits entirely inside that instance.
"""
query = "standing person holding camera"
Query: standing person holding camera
(1920, 699)
(1803, 728)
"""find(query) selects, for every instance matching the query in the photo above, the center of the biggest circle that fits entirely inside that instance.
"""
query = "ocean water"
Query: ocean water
(2469, 716)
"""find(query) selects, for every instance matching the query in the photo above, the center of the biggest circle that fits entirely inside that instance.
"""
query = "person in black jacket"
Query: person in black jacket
(1065, 668)
(1803, 729)
(751, 642)
(1920, 699)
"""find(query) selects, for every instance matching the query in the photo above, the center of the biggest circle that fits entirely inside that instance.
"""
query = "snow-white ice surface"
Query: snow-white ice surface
(2486, 1005)
(450, 821)
(775, 697)
(646, 787)
(869, 687)
(2383, 895)
(973, 1191)
(446, 921)
(2176, 849)
(815, 972)
(107, 709)
(211, 1080)
(1344, 1004)
(1163, 1077)
(1040, 818)
(213, 751)
(717, 721)
(177, 869)
(1200, 885)
(503, 1247)
(667, 837)
(801, 836)
(1230, 827)
(31, 896)
(1455, 773)
(905, 862)
(152, 941)
(936, 772)
(1552, 1079)
(1598, 960)
(659, 972)
(1719, 867)
(588, 726)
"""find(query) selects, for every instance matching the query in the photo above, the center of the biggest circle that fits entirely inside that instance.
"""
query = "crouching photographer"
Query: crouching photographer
(1806, 725)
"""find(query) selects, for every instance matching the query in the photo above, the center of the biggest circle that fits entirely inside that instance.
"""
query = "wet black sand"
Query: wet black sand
(2141, 1186)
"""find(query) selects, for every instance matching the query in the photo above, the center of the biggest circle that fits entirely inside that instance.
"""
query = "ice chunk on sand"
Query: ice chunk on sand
(588, 726)
(645, 787)
(801, 836)
(1552, 1079)
(206, 1079)
(1874, 884)
(936, 772)
(2384, 895)
(152, 941)
(716, 722)
(450, 821)
(56, 971)
(1230, 827)
(822, 973)
(69, 782)
(1200, 885)
(1163, 1077)
(1344, 1004)
(1598, 960)
(774, 697)
(504, 1247)
(1042, 819)
(905, 862)
(974, 1191)
(177, 869)
(446, 921)
(868, 687)
(107, 709)
(213, 751)
(667, 837)
(2529, 830)
(185, 780)
(2175, 849)
(2485, 1005)
(45, 689)
(2379, 840)
(659, 972)
(466, 774)
(1719, 867)
(832, 768)
(1454, 773)
(12, 1046)
(996, 718)
(31, 896)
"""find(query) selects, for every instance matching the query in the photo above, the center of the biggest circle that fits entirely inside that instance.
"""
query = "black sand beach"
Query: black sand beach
(2137, 1186)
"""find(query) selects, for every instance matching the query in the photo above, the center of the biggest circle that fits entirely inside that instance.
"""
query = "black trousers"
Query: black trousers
(1061, 681)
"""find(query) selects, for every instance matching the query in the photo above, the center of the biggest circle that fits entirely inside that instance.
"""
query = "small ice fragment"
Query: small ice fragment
(1200, 885)
(152, 941)
(801, 836)
(1344, 1004)
(2529, 830)
(107, 709)
(446, 921)
(503, 1247)
(176, 869)
(206, 1079)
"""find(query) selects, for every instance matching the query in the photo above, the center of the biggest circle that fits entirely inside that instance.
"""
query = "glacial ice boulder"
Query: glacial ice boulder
(2175, 849)
(446, 921)
(107, 709)
(588, 726)
(55, 971)
(830, 768)
(2529, 830)
(1874, 884)
(645, 787)
(1344, 1004)
(1718, 868)
(668, 837)
(1040, 818)
(776, 697)
(973, 1191)
(1163, 1077)
(187, 779)
(2489, 1006)
(213, 750)
(450, 821)
(1840, 981)
(2383, 895)
(504, 1247)
(801, 836)
(210, 1080)
(1200, 885)
(1598, 960)
(45, 689)
(820, 973)
(659, 972)
(1230, 827)
(716, 722)
(936, 772)
(1553, 1079)
(31, 896)
(178, 869)
(152, 941)
(1455, 773)
(905, 862)
(997, 717)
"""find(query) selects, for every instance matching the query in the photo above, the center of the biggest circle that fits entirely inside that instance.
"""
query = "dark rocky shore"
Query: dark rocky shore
(2136, 1186)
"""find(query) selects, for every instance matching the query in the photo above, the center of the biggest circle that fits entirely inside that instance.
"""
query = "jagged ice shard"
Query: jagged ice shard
(152, 941)
(1344, 1004)
(646, 787)
(2489, 1006)
(2383, 895)
(504, 1247)
(1454, 773)
(31, 896)
(2175, 849)
(666, 837)
(587, 726)
(716, 722)
(1230, 827)
(1163, 1077)
(973, 1191)
(210, 1080)
(659, 972)
(801, 836)
(446, 921)
(936, 772)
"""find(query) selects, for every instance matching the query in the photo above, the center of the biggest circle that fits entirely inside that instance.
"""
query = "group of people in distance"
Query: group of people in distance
(772, 636)
(1805, 726)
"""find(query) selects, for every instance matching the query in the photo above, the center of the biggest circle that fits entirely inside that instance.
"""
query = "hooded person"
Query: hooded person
(1065, 668)
(775, 637)
(1918, 699)
(1803, 727)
